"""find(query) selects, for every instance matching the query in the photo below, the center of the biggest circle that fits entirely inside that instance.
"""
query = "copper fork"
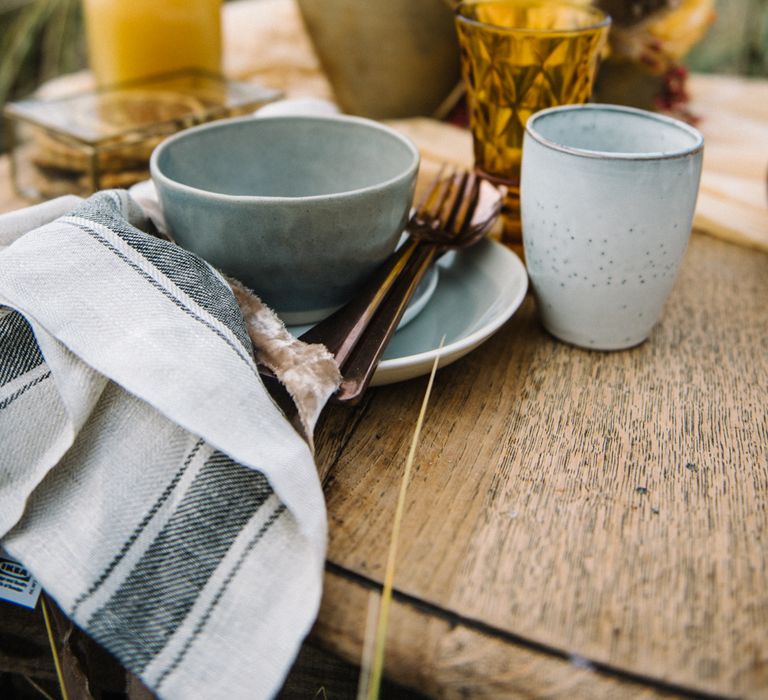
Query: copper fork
(456, 211)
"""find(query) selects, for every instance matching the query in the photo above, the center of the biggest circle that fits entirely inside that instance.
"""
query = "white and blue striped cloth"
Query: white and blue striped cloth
(147, 479)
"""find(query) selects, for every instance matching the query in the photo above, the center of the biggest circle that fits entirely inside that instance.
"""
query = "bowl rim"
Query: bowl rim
(407, 173)
(685, 152)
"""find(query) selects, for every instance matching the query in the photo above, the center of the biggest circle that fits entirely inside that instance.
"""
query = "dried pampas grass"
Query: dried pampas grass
(372, 663)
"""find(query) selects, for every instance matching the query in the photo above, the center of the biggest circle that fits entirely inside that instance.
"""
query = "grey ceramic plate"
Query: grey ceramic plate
(421, 296)
(477, 291)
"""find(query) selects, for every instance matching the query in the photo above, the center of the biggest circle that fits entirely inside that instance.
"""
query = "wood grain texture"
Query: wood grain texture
(452, 658)
(733, 199)
(609, 505)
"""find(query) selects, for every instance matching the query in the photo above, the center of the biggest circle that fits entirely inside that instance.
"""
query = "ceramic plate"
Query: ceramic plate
(421, 295)
(477, 291)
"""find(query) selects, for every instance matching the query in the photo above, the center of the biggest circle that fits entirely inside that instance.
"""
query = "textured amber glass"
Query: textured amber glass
(519, 57)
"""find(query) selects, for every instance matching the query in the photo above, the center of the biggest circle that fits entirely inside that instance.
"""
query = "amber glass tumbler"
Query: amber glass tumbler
(517, 57)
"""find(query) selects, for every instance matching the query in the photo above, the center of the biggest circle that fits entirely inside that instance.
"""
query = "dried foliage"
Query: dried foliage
(39, 39)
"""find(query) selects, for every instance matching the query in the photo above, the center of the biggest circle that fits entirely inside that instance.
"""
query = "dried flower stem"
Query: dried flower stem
(54, 651)
(40, 690)
(376, 671)
(366, 663)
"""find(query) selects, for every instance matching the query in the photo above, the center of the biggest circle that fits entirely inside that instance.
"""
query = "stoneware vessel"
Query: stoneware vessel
(607, 196)
(302, 209)
(385, 59)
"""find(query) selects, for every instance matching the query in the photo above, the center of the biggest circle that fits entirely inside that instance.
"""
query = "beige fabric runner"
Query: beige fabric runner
(733, 201)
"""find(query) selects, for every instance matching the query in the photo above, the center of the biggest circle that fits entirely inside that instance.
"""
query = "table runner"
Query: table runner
(147, 479)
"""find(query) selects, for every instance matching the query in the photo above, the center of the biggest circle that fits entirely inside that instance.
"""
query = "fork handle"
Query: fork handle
(342, 330)
(364, 356)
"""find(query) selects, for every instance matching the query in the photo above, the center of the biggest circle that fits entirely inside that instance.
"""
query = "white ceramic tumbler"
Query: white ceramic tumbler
(607, 201)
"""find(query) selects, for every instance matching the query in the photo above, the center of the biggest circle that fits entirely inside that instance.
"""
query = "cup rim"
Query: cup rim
(603, 19)
(694, 148)
(157, 173)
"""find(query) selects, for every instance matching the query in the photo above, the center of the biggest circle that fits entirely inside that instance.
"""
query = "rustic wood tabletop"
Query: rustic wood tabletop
(578, 522)
(581, 524)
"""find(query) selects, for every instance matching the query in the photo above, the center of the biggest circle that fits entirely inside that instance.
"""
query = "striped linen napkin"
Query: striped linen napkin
(147, 479)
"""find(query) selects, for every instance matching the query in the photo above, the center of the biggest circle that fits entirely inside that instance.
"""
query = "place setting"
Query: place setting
(200, 471)
(330, 194)
(183, 360)
(465, 296)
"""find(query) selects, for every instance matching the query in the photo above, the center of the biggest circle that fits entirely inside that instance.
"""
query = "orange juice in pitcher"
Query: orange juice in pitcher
(141, 38)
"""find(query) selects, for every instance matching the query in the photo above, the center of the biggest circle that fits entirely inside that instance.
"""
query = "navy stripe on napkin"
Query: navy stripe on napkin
(140, 528)
(19, 352)
(156, 596)
(186, 270)
(203, 621)
(8, 400)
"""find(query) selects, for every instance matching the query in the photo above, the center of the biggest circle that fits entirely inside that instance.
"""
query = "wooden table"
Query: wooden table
(579, 524)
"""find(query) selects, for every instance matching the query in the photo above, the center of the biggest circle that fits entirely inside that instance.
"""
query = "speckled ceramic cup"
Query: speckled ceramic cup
(302, 209)
(607, 198)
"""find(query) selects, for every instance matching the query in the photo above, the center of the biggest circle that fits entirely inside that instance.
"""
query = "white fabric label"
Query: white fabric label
(16, 583)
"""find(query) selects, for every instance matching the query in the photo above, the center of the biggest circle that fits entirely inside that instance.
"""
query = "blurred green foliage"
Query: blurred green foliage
(39, 39)
(737, 42)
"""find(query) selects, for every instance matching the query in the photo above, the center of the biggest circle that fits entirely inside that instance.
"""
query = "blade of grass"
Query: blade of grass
(54, 651)
(368, 645)
(373, 681)
(38, 688)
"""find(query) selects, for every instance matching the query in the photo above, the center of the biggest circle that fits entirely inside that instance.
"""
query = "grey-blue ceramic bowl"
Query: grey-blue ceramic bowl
(302, 209)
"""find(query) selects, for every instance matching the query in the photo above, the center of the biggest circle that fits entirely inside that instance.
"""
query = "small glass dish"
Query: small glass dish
(102, 139)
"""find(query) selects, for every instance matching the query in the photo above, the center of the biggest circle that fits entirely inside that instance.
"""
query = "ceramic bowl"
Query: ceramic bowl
(302, 209)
